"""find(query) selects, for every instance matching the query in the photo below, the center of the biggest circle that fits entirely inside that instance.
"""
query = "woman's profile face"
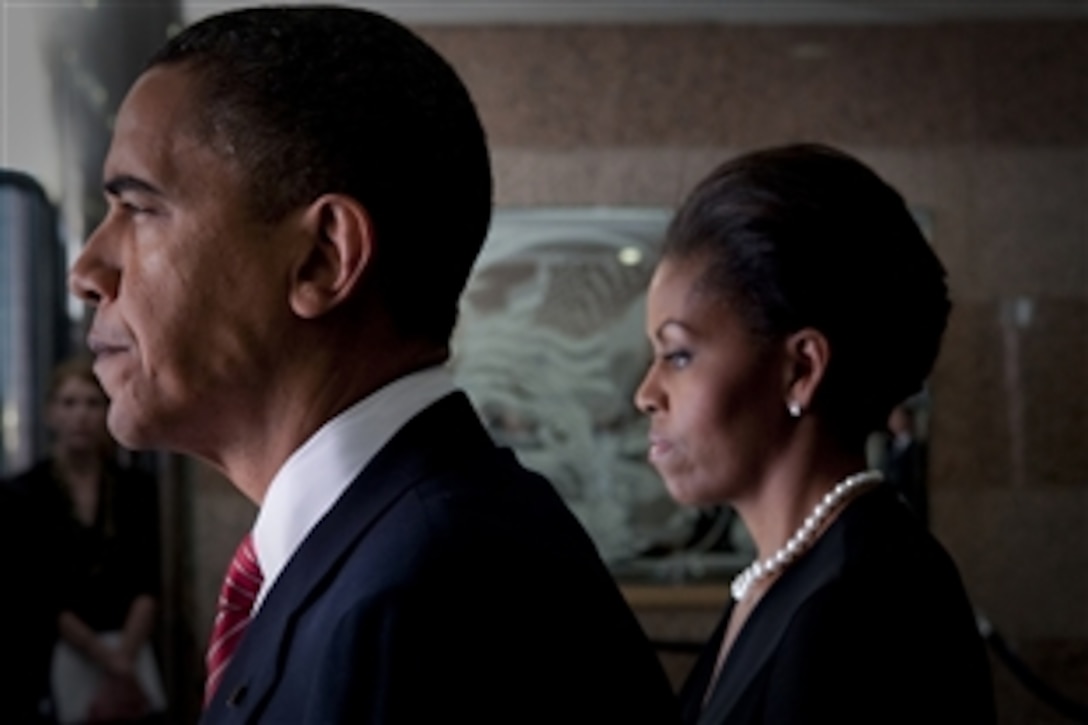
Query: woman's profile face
(715, 392)
(77, 415)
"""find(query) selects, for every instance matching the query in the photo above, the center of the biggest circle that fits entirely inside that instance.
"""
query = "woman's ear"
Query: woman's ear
(807, 354)
(341, 247)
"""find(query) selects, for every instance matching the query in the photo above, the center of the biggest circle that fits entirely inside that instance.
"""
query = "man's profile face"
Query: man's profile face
(189, 288)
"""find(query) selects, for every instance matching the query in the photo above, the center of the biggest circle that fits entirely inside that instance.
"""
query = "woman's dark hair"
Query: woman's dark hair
(805, 235)
(320, 99)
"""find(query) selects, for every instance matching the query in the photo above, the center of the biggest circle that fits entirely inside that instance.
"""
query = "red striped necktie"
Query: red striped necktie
(240, 588)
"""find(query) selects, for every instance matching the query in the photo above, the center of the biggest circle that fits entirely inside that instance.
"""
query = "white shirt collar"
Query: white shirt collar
(297, 498)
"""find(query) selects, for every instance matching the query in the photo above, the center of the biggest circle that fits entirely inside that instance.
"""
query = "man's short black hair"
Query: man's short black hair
(320, 99)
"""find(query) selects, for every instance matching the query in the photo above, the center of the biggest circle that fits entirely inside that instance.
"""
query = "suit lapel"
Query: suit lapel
(255, 667)
(762, 633)
(694, 690)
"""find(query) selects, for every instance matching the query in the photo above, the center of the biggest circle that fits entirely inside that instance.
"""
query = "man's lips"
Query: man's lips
(659, 447)
(101, 346)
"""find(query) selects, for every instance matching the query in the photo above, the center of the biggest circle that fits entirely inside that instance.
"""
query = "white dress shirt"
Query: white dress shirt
(297, 498)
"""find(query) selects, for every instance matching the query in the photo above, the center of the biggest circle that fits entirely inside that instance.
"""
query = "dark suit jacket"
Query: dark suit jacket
(448, 584)
(871, 626)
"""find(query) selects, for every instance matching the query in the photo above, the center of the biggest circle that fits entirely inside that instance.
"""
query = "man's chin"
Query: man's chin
(127, 431)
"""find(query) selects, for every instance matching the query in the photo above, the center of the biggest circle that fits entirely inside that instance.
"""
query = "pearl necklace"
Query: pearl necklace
(802, 538)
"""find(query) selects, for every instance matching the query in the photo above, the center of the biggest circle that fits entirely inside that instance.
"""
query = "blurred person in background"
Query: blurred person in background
(905, 459)
(95, 524)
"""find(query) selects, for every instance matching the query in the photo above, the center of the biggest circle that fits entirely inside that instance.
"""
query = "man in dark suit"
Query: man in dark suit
(905, 461)
(296, 198)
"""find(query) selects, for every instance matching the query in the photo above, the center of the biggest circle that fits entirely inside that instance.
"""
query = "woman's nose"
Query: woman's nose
(647, 395)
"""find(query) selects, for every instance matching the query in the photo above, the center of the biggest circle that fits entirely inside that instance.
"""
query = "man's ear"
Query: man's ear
(808, 354)
(341, 248)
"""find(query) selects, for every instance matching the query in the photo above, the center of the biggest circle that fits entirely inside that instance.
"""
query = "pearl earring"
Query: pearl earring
(794, 408)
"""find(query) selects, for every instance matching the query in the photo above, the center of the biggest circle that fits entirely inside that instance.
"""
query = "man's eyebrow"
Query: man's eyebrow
(117, 185)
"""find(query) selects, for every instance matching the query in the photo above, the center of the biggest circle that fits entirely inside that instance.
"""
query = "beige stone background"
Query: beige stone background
(983, 125)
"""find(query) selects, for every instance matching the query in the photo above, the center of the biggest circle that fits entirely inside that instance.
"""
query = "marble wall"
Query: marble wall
(983, 125)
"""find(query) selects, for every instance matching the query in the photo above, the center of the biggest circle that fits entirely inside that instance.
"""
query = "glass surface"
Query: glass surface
(551, 347)
(33, 322)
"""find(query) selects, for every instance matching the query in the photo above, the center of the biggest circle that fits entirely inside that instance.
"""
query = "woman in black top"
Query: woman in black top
(97, 522)
(795, 304)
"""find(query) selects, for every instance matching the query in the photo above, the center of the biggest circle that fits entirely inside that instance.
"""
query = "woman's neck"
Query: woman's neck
(790, 490)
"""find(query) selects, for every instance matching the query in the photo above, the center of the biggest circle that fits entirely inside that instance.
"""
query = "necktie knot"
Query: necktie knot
(236, 597)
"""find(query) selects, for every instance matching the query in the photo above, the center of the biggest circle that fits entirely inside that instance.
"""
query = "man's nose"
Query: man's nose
(94, 277)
